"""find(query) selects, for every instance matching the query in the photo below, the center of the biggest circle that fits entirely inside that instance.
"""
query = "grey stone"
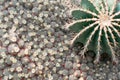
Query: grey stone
(89, 59)
(90, 65)
(3, 50)
(112, 76)
(51, 65)
(68, 64)
(8, 61)
(15, 76)
(2, 66)
(25, 70)
(84, 74)
(1, 72)
(71, 71)
(44, 8)
(69, 58)
(28, 6)
(72, 77)
(89, 78)
(1, 32)
(118, 75)
(1, 1)
(55, 77)
(35, 10)
(60, 78)
(6, 72)
(65, 72)
(5, 12)
(84, 67)
(49, 45)
(119, 67)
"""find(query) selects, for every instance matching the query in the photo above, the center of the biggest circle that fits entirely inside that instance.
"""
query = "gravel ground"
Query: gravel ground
(34, 45)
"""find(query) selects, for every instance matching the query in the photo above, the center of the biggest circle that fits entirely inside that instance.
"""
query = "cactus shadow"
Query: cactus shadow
(105, 57)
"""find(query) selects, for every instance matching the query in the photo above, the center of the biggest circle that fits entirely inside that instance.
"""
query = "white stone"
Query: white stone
(21, 11)
(19, 69)
(12, 35)
(59, 44)
(29, 15)
(2, 61)
(46, 41)
(13, 39)
(31, 26)
(48, 26)
(21, 53)
(52, 58)
(42, 36)
(47, 63)
(39, 1)
(5, 35)
(6, 19)
(24, 21)
(5, 78)
(32, 34)
(40, 67)
(65, 47)
(25, 59)
(33, 70)
(17, 4)
(46, 15)
(61, 49)
(10, 76)
(11, 69)
(36, 59)
(57, 65)
(26, 51)
(32, 65)
(3, 55)
(51, 52)
(32, 0)
(40, 19)
(81, 78)
(24, 0)
(15, 21)
(14, 60)
(52, 40)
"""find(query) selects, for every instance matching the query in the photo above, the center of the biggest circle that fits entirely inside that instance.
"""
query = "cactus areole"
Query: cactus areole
(97, 24)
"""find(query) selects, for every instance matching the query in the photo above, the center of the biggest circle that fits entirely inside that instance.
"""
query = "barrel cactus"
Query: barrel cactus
(97, 26)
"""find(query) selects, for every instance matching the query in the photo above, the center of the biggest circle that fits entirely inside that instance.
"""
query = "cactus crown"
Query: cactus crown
(97, 25)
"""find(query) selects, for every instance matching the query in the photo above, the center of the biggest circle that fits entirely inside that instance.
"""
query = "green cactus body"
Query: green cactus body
(97, 25)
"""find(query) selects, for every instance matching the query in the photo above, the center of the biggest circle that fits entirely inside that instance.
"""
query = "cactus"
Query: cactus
(96, 23)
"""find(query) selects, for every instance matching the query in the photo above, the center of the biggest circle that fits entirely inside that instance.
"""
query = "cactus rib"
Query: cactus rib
(113, 7)
(91, 25)
(84, 10)
(118, 20)
(98, 47)
(88, 41)
(95, 6)
(79, 21)
(112, 16)
(116, 24)
(115, 29)
(112, 35)
(111, 48)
